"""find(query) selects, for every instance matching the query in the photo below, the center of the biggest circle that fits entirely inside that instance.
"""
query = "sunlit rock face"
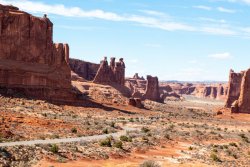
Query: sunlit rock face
(29, 60)
(235, 80)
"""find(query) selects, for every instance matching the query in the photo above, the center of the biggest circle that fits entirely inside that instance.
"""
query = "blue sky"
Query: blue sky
(191, 40)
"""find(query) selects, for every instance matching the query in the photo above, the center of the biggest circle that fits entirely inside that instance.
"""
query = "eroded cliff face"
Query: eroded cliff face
(235, 80)
(84, 69)
(152, 89)
(214, 91)
(113, 73)
(244, 98)
(29, 60)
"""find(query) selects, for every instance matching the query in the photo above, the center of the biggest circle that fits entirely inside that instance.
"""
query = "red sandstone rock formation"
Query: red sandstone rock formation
(234, 87)
(136, 76)
(244, 98)
(119, 72)
(104, 73)
(152, 90)
(136, 102)
(148, 89)
(115, 73)
(239, 92)
(215, 91)
(83, 69)
(137, 86)
(28, 58)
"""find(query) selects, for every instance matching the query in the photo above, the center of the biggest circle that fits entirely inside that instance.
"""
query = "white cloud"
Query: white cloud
(202, 7)
(154, 13)
(219, 31)
(221, 56)
(213, 20)
(39, 7)
(222, 9)
(241, 1)
(153, 19)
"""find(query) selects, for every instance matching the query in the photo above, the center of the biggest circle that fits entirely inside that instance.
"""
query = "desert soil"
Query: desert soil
(179, 133)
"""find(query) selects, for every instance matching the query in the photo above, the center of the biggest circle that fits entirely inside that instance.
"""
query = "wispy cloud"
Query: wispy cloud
(219, 31)
(203, 7)
(225, 10)
(221, 56)
(39, 7)
(241, 1)
(220, 9)
(80, 28)
(151, 18)
(154, 13)
(212, 20)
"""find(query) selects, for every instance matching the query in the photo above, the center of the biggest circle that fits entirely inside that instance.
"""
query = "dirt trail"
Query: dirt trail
(68, 140)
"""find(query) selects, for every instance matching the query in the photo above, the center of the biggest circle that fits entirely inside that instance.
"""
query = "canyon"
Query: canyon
(57, 111)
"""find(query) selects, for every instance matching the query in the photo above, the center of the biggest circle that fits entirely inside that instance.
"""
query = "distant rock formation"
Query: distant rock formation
(137, 86)
(152, 89)
(115, 73)
(144, 89)
(119, 71)
(216, 91)
(235, 80)
(211, 91)
(29, 60)
(84, 69)
(136, 76)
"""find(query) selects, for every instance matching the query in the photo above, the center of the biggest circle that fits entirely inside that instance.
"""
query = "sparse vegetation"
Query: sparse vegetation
(118, 144)
(74, 130)
(106, 143)
(149, 164)
(145, 130)
(54, 149)
(126, 139)
(214, 157)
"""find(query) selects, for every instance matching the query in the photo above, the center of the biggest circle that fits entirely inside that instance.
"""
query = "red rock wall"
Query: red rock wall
(244, 98)
(235, 80)
(86, 70)
(28, 58)
(217, 91)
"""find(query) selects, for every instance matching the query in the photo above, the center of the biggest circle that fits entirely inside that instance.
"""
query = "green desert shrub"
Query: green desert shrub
(54, 148)
(106, 142)
(215, 157)
(118, 144)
